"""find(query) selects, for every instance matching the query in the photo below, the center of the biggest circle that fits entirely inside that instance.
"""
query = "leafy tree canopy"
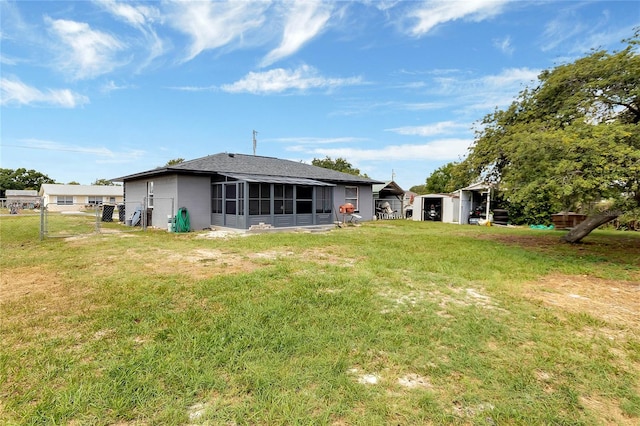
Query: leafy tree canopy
(570, 142)
(22, 179)
(446, 179)
(103, 182)
(419, 189)
(73, 182)
(174, 162)
(339, 164)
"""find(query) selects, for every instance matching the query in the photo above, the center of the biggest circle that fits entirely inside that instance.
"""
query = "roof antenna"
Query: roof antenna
(255, 142)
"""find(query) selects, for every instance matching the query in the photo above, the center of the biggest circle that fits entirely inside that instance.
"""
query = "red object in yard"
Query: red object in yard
(347, 208)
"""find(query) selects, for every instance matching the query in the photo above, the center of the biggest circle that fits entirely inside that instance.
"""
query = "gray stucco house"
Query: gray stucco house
(239, 191)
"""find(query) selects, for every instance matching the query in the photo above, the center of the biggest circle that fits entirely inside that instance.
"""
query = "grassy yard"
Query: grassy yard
(391, 322)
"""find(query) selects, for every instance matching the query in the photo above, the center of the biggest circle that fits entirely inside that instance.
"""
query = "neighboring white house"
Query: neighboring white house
(57, 197)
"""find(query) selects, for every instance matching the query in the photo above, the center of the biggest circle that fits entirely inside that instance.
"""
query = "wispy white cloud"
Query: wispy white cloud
(85, 52)
(510, 76)
(103, 154)
(428, 15)
(423, 106)
(141, 17)
(112, 86)
(301, 143)
(15, 92)
(484, 93)
(4, 60)
(441, 150)
(280, 80)
(138, 15)
(194, 88)
(211, 25)
(440, 128)
(560, 30)
(504, 45)
(305, 20)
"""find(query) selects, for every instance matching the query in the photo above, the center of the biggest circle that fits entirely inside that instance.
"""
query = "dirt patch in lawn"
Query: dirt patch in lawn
(623, 248)
(41, 286)
(615, 302)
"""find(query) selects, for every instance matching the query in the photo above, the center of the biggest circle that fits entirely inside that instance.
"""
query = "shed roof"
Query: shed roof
(95, 190)
(478, 186)
(242, 164)
(391, 187)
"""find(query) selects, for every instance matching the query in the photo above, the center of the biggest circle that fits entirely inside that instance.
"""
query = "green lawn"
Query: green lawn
(391, 322)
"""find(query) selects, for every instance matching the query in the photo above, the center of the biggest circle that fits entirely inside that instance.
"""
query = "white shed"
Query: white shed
(437, 207)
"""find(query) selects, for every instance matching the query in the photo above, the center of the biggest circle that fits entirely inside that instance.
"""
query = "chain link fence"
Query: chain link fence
(78, 219)
(74, 219)
(20, 217)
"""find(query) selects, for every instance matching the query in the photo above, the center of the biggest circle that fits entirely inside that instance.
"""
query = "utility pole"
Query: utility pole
(255, 142)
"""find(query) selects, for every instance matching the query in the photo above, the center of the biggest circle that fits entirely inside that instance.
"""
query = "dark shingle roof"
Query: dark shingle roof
(253, 165)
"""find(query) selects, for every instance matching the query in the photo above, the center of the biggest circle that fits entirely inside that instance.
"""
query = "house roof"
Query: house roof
(21, 193)
(95, 190)
(252, 165)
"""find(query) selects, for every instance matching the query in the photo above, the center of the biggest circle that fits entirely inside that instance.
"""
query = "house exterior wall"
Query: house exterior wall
(134, 195)
(171, 192)
(365, 200)
(164, 196)
(194, 193)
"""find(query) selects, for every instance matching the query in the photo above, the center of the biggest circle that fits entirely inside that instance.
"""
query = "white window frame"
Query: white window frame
(95, 200)
(352, 200)
(64, 200)
(150, 194)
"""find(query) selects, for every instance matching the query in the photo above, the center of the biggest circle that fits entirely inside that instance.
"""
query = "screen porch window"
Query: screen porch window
(216, 198)
(304, 199)
(282, 199)
(259, 199)
(351, 196)
(64, 200)
(231, 202)
(324, 199)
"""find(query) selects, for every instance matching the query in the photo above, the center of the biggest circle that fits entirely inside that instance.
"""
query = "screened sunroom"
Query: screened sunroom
(242, 200)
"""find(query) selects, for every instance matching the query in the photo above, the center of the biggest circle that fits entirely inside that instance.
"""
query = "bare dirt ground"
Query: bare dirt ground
(613, 301)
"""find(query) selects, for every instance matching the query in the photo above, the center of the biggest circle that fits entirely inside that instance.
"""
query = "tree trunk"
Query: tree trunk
(589, 224)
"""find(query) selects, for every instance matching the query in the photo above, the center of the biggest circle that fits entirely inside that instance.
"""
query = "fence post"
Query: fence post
(143, 214)
(42, 216)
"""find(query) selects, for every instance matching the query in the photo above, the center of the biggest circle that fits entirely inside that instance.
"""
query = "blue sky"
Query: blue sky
(101, 89)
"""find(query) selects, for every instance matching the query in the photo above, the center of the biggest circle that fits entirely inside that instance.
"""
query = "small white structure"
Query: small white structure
(475, 203)
(436, 207)
(22, 198)
(465, 206)
(58, 197)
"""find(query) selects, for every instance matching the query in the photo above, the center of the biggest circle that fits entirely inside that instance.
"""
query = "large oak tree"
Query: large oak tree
(569, 143)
